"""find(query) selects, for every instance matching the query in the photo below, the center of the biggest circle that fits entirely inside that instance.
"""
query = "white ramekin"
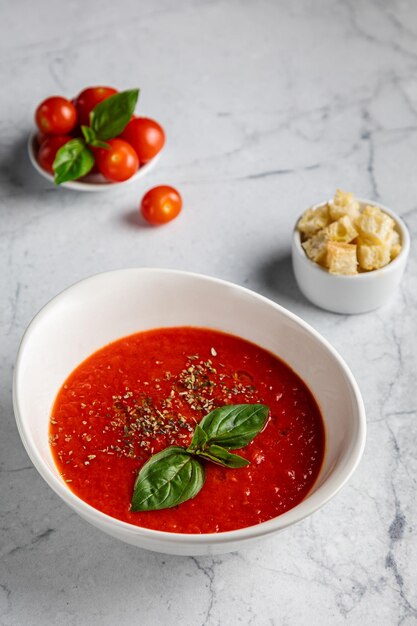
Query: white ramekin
(350, 294)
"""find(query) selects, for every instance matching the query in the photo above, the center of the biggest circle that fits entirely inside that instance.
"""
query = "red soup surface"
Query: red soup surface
(147, 391)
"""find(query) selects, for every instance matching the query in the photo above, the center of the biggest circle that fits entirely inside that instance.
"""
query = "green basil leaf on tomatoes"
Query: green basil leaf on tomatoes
(72, 161)
(221, 456)
(97, 143)
(198, 441)
(110, 117)
(91, 139)
(89, 134)
(234, 426)
(169, 478)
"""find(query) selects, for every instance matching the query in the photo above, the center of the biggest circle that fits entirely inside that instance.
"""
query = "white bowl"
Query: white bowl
(91, 182)
(105, 307)
(350, 294)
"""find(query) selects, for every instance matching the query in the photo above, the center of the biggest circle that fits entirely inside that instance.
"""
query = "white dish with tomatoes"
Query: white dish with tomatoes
(94, 142)
(91, 182)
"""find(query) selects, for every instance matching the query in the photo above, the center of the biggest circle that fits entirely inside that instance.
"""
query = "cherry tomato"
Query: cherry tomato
(161, 205)
(56, 116)
(146, 136)
(48, 150)
(88, 99)
(40, 137)
(117, 163)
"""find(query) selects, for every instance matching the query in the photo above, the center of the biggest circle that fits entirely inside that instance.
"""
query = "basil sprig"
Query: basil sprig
(175, 475)
(108, 119)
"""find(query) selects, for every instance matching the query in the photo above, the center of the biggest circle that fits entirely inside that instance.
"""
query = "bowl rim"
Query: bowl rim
(76, 185)
(152, 536)
(391, 266)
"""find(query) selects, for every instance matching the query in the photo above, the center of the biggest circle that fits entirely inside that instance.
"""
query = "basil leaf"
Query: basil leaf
(234, 426)
(167, 479)
(221, 456)
(109, 118)
(89, 134)
(91, 139)
(72, 161)
(198, 441)
(96, 143)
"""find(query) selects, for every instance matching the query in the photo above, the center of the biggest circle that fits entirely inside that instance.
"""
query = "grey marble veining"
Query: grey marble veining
(268, 107)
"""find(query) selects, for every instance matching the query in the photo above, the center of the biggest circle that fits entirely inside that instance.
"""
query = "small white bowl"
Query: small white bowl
(350, 294)
(91, 182)
(101, 309)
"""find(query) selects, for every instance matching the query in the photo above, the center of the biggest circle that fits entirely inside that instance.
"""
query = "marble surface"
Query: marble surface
(268, 106)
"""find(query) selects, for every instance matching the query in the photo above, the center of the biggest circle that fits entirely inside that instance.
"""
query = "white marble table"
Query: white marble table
(268, 106)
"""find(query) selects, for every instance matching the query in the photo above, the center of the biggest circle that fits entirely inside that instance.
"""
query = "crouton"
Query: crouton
(373, 257)
(341, 258)
(342, 230)
(313, 220)
(374, 226)
(316, 247)
(343, 203)
(394, 243)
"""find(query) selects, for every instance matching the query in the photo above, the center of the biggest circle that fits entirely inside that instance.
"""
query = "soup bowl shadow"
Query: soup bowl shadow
(108, 306)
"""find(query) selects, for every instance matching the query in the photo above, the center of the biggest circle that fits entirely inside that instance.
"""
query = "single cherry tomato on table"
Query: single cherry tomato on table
(161, 205)
(49, 148)
(56, 116)
(146, 136)
(117, 163)
(88, 99)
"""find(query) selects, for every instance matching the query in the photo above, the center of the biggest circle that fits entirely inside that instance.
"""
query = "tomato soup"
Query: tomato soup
(147, 391)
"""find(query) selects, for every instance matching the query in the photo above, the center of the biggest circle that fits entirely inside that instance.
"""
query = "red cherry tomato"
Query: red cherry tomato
(88, 99)
(117, 163)
(56, 116)
(48, 150)
(40, 137)
(161, 205)
(146, 136)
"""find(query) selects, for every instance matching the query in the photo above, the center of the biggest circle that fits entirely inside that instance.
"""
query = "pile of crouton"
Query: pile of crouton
(345, 239)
